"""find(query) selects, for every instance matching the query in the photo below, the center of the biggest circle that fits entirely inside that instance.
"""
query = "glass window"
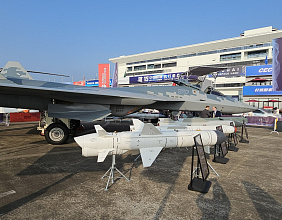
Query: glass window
(169, 64)
(142, 67)
(227, 57)
(129, 68)
(258, 53)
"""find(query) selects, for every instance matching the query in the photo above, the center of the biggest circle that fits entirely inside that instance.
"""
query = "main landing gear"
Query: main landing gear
(57, 130)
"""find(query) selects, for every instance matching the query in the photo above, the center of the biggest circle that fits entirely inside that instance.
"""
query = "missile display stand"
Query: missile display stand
(220, 150)
(196, 183)
(111, 172)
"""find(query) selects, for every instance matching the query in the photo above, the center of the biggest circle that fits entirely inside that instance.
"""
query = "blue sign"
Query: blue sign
(154, 78)
(264, 70)
(260, 90)
(230, 72)
(95, 82)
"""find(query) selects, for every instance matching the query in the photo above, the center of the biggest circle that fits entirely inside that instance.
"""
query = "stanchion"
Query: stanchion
(275, 127)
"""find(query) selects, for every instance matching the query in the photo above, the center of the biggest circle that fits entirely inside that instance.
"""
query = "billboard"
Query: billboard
(235, 71)
(260, 90)
(95, 82)
(263, 70)
(79, 83)
(104, 75)
(277, 64)
(154, 78)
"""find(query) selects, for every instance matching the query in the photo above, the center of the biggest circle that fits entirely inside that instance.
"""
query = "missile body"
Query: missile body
(199, 124)
(145, 138)
(225, 128)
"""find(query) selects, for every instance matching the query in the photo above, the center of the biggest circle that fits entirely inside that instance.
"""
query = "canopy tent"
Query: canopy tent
(253, 100)
(259, 80)
(204, 70)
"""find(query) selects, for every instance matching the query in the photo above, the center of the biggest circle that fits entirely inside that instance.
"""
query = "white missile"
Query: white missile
(144, 138)
(195, 122)
(226, 129)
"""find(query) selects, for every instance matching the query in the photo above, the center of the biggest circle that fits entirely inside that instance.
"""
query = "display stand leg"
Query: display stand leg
(213, 169)
(111, 172)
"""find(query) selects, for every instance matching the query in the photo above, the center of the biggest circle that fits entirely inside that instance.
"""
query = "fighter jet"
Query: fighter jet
(67, 104)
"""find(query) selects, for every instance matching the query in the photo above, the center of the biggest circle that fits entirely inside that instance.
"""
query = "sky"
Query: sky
(72, 37)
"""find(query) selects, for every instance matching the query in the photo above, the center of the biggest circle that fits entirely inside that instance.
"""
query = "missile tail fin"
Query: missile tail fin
(137, 125)
(103, 154)
(149, 155)
(100, 131)
(150, 129)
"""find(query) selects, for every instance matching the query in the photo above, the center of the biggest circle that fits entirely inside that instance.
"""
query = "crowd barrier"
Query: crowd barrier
(24, 117)
(262, 121)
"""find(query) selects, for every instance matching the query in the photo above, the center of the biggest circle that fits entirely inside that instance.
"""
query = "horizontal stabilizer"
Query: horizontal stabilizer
(100, 131)
(103, 154)
(84, 112)
(15, 70)
(149, 155)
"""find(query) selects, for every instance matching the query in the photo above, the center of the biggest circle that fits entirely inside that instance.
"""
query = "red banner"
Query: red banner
(79, 83)
(23, 117)
(104, 75)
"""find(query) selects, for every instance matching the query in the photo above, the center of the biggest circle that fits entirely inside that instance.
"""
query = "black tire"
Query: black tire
(57, 133)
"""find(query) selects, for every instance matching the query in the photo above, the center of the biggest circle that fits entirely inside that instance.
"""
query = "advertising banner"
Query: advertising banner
(79, 83)
(104, 75)
(154, 78)
(94, 82)
(231, 72)
(260, 90)
(263, 70)
(115, 80)
(277, 65)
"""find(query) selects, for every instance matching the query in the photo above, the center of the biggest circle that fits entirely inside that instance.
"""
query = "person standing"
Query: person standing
(205, 113)
(215, 112)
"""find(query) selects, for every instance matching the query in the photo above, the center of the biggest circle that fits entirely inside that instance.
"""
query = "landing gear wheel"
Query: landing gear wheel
(57, 133)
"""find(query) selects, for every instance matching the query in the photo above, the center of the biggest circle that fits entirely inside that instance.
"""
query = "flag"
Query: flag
(277, 65)
(115, 80)
(266, 61)
(104, 75)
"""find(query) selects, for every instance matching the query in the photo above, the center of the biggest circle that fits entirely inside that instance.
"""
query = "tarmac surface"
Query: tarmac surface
(43, 181)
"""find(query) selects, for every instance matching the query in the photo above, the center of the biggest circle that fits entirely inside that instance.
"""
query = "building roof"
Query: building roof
(250, 37)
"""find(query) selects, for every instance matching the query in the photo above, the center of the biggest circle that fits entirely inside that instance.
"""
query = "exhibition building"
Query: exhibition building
(238, 55)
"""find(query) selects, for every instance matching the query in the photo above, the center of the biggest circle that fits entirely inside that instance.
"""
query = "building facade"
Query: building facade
(251, 48)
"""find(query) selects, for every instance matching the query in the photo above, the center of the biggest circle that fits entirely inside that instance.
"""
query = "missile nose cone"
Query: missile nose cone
(79, 140)
(220, 137)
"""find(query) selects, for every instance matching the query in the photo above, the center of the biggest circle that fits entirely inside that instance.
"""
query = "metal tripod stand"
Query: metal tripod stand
(111, 172)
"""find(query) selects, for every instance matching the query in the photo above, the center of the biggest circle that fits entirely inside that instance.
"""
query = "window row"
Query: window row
(151, 66)
(203, 53)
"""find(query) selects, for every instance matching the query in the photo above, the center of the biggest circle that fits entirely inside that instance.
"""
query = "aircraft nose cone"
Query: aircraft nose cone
(220, 137)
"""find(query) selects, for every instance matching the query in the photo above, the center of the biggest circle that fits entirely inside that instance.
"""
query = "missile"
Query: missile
(144, 138)
(225, 128)
(195, 122)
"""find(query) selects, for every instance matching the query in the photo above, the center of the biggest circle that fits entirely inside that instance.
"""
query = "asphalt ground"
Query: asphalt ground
(43, 181)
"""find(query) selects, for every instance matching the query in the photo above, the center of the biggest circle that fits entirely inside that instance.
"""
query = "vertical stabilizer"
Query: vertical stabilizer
(15, 70)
